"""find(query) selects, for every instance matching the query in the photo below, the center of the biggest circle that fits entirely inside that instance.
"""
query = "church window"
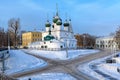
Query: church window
(61, 46)
(53, 26)
(45, 46)
(41, 46)
(44, 42)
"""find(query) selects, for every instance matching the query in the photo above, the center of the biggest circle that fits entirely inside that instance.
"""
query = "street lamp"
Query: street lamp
(3, 62)
(66, 45)
(114, 48)
(8, 41)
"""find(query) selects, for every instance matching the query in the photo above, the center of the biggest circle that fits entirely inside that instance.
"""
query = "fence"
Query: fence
(52, 49)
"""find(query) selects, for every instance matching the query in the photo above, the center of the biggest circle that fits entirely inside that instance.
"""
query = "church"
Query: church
(58, 35)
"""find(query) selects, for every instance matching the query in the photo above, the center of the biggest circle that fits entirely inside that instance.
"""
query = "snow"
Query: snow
(19, 61)
(117, 59)
(110, 69)
(49, 76)
(86, 68)
(61, 55)
(106, 68)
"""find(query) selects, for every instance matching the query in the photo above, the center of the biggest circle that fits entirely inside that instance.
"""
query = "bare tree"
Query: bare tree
(85, 40)
(14, 30)
(117, 37)
(3, 38)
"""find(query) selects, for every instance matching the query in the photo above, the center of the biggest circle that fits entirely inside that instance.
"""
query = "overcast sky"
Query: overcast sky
(96, 17)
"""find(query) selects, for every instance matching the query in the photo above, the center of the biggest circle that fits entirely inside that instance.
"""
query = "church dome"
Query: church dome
(66, 24)
(56, 18)
(59, 22)
(49, 37)
(47, 24)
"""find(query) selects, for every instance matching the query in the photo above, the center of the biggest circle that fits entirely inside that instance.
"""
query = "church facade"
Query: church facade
(57, 35)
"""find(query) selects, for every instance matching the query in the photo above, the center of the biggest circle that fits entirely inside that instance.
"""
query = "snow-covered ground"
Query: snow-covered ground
(19, 61)
(109, 69)
(49, 76)
(61, 55)
(86, 69)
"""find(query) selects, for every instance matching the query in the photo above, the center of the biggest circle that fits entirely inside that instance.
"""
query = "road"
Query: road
(65, 66)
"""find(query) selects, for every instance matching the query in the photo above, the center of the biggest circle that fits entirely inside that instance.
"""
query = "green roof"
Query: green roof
(66, 24)
(59, 22)
(55, 20)
(49, 37)
(47, 24)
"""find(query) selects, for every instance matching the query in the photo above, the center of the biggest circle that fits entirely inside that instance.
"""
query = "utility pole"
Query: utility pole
(8, 41)
(66, 45)
(66, 49)
(3, 62)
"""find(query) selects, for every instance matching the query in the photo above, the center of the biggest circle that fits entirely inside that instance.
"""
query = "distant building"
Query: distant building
(30, 37)
(106, 43)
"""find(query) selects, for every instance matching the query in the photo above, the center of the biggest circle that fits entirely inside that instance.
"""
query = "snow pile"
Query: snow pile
(49, 76)
(110, 69)
(19, 61)
(86, 68)
(62, 55)
(117, 59)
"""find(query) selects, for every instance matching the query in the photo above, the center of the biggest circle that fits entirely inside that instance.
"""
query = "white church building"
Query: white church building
(58, 35)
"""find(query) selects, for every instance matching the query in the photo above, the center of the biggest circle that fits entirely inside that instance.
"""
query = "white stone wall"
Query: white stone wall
(106, 43)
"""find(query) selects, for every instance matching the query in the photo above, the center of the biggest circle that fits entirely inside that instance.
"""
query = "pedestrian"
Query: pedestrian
(29, 79)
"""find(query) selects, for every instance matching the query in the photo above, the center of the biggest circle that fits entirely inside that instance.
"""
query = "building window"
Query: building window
(42, 47)
(61, 46)
(45, 46)
(97, 41)
(106, 46)
(53, 26)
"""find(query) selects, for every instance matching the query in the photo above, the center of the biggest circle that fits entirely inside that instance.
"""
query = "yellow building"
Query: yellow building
(30, 37)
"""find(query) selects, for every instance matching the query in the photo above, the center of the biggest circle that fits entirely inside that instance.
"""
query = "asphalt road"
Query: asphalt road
(65, 66)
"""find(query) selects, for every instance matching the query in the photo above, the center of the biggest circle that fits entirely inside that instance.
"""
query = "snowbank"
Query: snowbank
(110, 69)
(49, 76)
(62, 55)
(19, 61)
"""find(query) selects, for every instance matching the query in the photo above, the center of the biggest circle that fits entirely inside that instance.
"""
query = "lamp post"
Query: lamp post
(3, 62)
(8, 41)
(66, 49)
(114, 48)
(66, 45)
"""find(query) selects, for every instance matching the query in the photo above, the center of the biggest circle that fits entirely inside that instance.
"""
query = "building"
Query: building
(30, 37)
(57, 35)
(106, 43)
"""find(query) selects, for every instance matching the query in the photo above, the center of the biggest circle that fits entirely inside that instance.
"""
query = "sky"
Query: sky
(96, 17)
